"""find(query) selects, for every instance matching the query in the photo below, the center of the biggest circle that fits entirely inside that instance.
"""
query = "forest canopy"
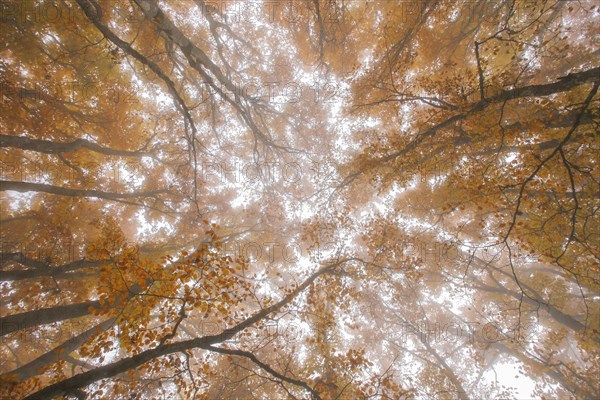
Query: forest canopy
(307, 199)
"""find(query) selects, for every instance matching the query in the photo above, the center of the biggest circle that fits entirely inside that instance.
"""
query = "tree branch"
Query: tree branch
(24, 187)
(107, 371)
(49, 147)
(264, 366)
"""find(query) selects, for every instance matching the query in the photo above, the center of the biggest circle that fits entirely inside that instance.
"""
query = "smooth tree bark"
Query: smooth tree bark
(38, 269)
(49, 147)
(42, 316)
(25, 187)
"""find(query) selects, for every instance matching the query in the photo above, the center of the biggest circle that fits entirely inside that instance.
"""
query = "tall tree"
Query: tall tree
(308, 199)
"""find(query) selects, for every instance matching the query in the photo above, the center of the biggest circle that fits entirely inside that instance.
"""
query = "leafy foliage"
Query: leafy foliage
(309, 199)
